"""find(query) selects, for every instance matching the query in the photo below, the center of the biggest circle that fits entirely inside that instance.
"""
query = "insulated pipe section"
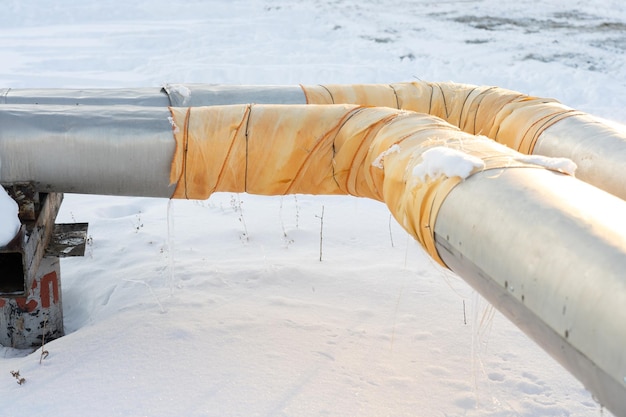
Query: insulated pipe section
(548, 251)
(530, 125)
(111, 150)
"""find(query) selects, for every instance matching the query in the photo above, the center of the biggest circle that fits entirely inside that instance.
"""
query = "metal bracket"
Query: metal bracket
(37, 213)
(30, 287)
(24, 254)
(68, 239)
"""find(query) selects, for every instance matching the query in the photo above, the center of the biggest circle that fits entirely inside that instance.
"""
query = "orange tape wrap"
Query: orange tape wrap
(330, 149)
(509, 117)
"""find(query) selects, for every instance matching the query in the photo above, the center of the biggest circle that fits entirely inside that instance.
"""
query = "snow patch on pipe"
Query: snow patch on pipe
(443, 161)
(378, 162)
(9, 221)
(564, 165)
(178, 93)
(175, 128)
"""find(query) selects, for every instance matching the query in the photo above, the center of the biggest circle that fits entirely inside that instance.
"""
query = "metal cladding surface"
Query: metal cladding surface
(598, 149)
(176, 95)
(110, 150)
(549, 252)
(75, 97)
(184, 95)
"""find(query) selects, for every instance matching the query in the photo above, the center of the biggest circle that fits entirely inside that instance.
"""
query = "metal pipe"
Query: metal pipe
(598, 150)
(110, 150)
(549, 252)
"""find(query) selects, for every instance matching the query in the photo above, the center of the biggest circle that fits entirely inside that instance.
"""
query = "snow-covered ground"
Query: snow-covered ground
(9, 221)
(222, 307)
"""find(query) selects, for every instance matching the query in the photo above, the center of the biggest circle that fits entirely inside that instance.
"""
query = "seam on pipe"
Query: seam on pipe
(247, 133)
(528, 146)
(336, 129)
(480, 99)
(167, 93)
(372, 131)
(445, 104)
(395, 93)
(186, 148)
(329, 93)
(246, 118)
(4, 95)
(503, 117)
(334, 149)
(463, 108)
(306, 96)
(432, 94)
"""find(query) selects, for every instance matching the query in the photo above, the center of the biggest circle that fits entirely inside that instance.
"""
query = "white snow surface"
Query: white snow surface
(222, 307)
(379, 161)
(180, 91)
(9, 222)
(441, 161)
(564, 165)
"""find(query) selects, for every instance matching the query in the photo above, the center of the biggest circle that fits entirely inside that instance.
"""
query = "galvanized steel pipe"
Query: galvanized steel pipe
(111, 150)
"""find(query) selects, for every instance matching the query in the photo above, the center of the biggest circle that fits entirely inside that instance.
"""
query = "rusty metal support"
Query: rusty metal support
(30, 287)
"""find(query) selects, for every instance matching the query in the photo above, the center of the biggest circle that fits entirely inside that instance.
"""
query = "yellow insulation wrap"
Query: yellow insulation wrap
(509, 117)
(335, 149)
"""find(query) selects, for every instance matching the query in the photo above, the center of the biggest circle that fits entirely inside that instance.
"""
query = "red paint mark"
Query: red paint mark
(27, 307)
(2, 302)
(49, 280)
(34, 286)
